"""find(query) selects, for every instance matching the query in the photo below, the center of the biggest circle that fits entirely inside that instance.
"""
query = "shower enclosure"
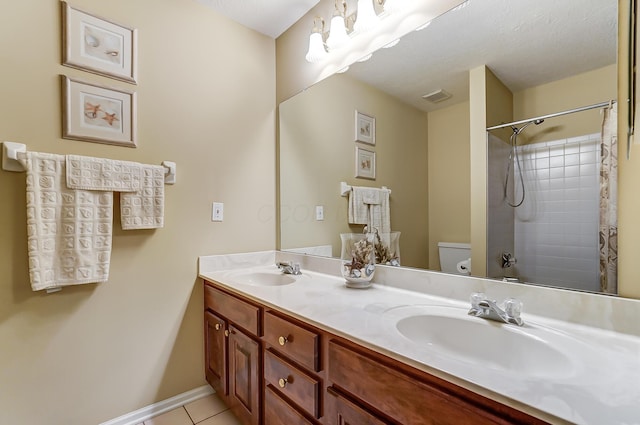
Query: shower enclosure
(544, 205)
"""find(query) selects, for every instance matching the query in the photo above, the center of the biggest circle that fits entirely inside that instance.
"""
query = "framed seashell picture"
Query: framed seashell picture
(96, 113)
(97, 45)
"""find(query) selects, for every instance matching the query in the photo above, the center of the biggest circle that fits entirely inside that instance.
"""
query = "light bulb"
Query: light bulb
(391, 6)
(338, 36)
(366, 17)
(316, 51)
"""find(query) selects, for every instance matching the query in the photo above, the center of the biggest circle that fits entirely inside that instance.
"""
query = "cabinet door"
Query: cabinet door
(244, 377)
(341, 411)
(216, 353)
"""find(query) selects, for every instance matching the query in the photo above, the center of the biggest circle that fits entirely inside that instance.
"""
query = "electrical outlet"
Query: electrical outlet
(319, 213)
(217, 211)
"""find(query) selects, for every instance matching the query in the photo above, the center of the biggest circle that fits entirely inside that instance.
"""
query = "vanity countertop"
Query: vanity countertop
(599, 385)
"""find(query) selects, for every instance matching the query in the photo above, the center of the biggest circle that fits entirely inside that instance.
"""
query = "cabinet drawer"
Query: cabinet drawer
(300, 344)
(239, 312)
(302, 389)
(279, 412)
(409, 401)
(341, 411)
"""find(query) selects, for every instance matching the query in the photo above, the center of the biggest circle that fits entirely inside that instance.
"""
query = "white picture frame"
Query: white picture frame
(365, 163)
(365, 128)
(96, 113)
(97, 45)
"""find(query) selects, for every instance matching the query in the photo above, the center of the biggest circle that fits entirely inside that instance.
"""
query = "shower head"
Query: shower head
(517, 130)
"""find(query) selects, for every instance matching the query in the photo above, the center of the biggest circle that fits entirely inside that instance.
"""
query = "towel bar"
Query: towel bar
(345, 189)
(10, 161)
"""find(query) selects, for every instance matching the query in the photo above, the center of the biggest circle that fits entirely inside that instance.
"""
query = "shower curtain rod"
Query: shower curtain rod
(557, 114)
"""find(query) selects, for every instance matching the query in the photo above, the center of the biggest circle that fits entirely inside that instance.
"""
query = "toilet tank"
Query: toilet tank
(451, 254)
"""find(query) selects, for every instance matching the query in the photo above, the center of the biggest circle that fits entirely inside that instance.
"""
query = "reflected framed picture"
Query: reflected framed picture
(95, 113)
(365, 163)
(97, 45)
(365, 128)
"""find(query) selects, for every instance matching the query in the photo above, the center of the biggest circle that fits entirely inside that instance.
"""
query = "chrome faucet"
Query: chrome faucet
(488, 309)
(289, 268)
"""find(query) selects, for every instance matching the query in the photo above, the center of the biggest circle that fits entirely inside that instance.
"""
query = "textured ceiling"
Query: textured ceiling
(524, 42)
(270, 17)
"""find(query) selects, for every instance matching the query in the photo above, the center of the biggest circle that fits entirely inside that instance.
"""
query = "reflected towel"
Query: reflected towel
(144, 209)
(370, 206)
(69, 231)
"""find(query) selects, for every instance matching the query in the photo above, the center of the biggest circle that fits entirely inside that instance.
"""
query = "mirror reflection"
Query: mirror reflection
(543, 57)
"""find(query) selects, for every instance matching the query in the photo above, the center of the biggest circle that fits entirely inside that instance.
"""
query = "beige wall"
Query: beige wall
(478, 170)
(206, 101)
(449, 173)
(317, 152)
(579, 90)
(629, 174)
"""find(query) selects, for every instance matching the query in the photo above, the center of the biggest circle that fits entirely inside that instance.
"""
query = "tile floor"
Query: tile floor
(208, 410)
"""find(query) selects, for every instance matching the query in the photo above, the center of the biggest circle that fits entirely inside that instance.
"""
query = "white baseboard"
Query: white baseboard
(155, 409)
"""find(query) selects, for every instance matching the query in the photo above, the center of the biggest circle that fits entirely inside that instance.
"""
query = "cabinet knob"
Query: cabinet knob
(218, 326)
(282, 382)
(226, 333)
(282, 340)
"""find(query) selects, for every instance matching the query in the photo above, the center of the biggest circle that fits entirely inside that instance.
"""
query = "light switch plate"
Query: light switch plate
(217, 211)
(319, 213)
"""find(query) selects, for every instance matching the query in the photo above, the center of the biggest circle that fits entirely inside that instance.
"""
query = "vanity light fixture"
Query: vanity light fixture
(366, 18)
(338, 36)
(393, 43)
(423, 26)
(316, 51)
(391, 6)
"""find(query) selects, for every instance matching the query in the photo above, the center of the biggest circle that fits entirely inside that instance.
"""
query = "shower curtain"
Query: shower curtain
(608, 234)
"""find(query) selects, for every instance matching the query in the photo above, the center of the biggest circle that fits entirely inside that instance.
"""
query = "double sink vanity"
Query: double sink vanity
(305, 349)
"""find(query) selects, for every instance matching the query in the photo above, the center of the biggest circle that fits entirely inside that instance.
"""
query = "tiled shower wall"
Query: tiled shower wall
(556, 227)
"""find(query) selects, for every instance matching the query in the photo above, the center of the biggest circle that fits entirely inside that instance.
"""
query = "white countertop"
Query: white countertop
(602, 386)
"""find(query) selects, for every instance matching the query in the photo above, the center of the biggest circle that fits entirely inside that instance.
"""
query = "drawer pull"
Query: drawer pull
(218, 326)
(282, 340)
(283, 382)
(226, 333)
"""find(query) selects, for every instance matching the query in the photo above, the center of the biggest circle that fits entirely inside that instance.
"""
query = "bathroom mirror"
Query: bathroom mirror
(528, 45)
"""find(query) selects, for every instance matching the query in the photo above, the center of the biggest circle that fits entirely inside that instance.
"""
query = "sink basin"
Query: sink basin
(262, 278)
(529, 351)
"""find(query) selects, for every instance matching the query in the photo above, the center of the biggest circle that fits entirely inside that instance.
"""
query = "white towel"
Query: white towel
(68, 231)
(142, 187)
(358, 210)
(370, 206)
(89, 173)
(144, 209)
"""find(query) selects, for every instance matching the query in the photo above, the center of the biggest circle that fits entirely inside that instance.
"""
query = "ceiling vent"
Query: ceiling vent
(437, 96)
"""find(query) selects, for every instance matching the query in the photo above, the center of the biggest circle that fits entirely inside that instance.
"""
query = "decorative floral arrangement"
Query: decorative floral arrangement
(360, 266)
(384, 255)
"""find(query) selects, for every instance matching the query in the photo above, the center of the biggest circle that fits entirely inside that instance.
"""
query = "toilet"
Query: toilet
(451, 254)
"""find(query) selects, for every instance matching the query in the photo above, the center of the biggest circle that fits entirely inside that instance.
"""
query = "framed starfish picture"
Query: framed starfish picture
(95, 113)
(97, 45)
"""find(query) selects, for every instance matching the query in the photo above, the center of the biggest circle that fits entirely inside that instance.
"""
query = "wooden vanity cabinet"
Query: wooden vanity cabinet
(273, 369)
(292, 369)
(233, 352)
